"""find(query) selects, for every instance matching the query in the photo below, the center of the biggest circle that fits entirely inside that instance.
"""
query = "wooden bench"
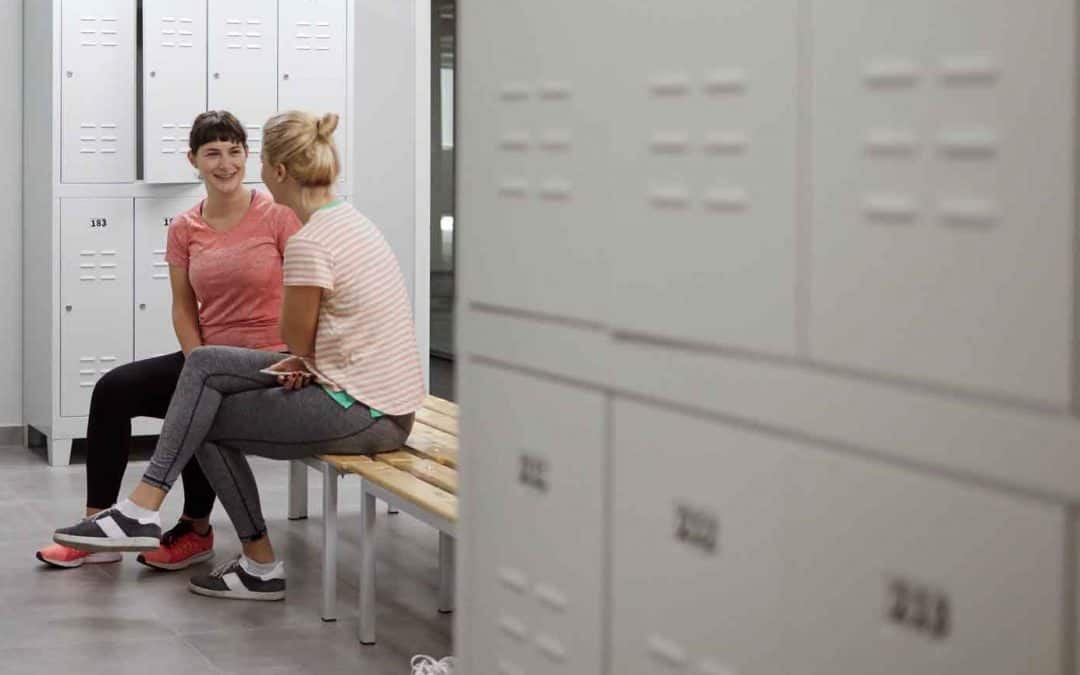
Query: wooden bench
(419, 479)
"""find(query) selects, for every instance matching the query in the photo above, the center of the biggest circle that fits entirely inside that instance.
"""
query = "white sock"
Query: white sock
(133, 510)
(272, 570)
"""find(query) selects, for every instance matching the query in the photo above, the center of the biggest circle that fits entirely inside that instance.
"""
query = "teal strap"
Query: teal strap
(346, 401)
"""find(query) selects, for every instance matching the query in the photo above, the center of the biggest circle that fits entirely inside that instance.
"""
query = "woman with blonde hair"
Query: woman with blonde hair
(347, 321)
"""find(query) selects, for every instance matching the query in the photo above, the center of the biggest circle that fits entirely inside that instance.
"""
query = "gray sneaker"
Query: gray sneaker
(110, 530)
(231, 580)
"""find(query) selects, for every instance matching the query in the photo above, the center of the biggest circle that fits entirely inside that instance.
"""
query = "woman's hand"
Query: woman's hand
(294, 381)
(292, 373)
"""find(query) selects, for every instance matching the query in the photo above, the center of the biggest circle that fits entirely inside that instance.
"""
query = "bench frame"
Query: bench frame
(298, 509)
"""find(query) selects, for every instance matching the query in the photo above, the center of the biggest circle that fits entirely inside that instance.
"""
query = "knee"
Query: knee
(115, 386)
(202, 357)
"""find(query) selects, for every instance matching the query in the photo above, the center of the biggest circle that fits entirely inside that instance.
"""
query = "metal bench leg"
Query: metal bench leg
(298, 490)
(366, 629)
(330, 541)
(446, 573)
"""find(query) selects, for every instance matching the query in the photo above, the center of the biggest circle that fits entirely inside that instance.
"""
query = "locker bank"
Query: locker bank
(761, 320)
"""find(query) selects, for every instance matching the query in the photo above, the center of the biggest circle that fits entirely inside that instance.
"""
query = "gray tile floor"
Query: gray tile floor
(125, 618)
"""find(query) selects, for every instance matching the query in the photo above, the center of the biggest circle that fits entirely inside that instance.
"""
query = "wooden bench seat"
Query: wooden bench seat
(419, 478)
(438, 420)
(386, 471)
(433, 444)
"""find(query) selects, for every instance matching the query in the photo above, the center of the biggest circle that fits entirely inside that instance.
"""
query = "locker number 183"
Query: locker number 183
(99, 222)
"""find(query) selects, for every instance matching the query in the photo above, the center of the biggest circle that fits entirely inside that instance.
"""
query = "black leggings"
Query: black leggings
(138, 389)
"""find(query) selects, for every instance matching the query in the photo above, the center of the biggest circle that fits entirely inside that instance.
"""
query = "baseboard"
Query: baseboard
(11, 435)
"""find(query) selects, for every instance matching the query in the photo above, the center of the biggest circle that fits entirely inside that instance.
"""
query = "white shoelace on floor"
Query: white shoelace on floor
(422, 664)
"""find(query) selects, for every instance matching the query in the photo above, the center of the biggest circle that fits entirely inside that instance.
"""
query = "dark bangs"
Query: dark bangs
(216, 125)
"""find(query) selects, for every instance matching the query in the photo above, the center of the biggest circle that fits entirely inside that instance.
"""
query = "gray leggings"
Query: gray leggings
(224, 408)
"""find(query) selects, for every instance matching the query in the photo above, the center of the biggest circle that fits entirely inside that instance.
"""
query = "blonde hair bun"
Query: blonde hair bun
(303, 143)
(326, 125)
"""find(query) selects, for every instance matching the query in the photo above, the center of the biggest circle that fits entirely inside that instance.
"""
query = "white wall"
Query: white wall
(11, 223)
(390, 165)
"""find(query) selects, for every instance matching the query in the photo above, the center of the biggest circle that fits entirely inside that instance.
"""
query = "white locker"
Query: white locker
(174, 86)
(536, 139)
(97, 93)
(703, 164)
(95, 295)
(698, 546)
(533, 485)
(312, 62)
(846, 229)
(943, 176)
(896, 573)
(154, 334)
(242, 63)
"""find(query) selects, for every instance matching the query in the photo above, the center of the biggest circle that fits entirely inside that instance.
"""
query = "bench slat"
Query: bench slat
(438, 420)
(426, 470)
(404, 485)
(433, 444)
(441, 405)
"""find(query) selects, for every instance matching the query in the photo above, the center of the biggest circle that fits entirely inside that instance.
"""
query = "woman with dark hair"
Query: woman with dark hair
(225, 267)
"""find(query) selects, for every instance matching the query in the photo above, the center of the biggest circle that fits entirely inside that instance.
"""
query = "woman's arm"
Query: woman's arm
(300, 318)
(185, 310)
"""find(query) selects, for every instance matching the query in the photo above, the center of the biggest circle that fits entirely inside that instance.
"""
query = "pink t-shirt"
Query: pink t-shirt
(236, 275)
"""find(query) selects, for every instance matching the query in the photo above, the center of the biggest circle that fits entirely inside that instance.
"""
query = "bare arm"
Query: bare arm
(300, 318)
(185, 310)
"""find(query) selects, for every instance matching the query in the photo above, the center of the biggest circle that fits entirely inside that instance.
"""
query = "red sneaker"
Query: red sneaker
(181, 547)
(59, 555)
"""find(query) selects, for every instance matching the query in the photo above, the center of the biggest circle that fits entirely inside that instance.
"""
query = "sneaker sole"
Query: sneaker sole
(72, 564)
(183, 564)
(237, 595)
(105, 545)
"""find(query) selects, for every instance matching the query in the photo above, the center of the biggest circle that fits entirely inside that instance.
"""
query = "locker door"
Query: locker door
(698, 548)
(97, 56)
(895, 573)
(243, 67)
(154, 333)
(174, 86)
(539, 168)
(944, 180)
(95, 296)
(536, 468)
(312, 60)
(706, 163)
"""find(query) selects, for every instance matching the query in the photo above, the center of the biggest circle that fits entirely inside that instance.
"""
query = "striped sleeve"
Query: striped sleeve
(308, 263)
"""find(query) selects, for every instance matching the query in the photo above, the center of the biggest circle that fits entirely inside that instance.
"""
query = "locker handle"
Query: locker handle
(69, 74)
(142, 305)
(285, 76)
(217, 76)
(67, 308)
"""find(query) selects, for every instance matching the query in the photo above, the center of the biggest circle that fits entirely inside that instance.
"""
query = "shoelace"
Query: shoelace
(100, 514)
(422, 664)
(181, 528)
(225, 567)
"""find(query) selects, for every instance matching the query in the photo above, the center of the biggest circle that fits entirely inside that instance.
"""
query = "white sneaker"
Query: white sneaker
(423, 664)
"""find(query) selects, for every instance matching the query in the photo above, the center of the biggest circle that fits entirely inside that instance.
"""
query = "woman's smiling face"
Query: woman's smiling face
(221, 165)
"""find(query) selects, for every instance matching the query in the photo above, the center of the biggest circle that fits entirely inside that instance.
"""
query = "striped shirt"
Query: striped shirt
(365, 344)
